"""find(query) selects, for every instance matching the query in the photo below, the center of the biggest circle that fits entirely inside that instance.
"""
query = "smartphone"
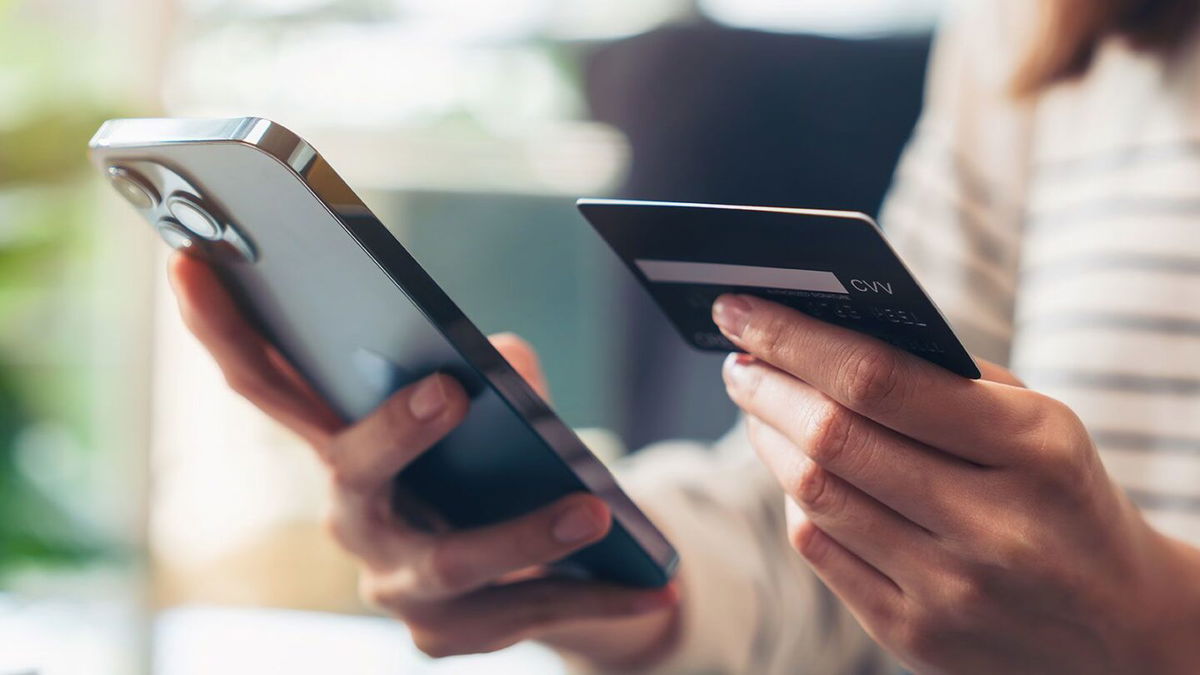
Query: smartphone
(836, 266)
(351, 309)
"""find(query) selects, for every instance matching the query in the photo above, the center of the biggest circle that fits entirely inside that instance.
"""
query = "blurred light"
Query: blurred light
(263, 8)
(594, 20)
(50, 456)
(58, 637)
(834, 17)
(473, 20)
(205, 640)
(366, 76)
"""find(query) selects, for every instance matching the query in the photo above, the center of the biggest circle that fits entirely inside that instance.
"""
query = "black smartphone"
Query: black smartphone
(352, 310)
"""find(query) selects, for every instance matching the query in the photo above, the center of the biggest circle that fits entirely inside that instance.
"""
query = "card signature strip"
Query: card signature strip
(713, 274)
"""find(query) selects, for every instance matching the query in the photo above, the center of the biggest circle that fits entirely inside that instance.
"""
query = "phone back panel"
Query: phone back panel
(356, 315)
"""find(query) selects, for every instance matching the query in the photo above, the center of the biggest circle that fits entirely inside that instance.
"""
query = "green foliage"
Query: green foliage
(34, 530)
(51, 108)
(47, 148)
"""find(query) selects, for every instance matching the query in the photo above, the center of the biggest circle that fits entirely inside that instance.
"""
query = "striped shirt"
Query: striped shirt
(1059, 237)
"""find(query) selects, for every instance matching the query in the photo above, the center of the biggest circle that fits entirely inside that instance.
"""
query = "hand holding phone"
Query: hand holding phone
(346, 305)
(459, 591)
(477, 515)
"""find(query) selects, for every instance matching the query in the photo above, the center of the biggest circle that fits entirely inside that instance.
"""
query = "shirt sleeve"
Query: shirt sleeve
(751, 605)
(956, 206)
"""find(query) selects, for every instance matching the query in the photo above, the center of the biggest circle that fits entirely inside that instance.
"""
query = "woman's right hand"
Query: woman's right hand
(459, 592)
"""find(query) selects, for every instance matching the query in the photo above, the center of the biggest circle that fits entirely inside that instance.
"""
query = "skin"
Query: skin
(969, 525)
(459, 592)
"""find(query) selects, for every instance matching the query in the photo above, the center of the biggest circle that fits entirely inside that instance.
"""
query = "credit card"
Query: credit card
(832, 265)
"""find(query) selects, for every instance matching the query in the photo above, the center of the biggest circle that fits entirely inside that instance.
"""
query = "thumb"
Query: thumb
(522, 357)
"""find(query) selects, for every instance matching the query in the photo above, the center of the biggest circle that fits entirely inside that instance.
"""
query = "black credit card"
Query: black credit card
(832, 265)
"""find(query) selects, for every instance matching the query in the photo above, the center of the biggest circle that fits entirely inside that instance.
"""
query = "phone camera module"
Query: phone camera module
(198, 220)
(134, 188)
(176, 235)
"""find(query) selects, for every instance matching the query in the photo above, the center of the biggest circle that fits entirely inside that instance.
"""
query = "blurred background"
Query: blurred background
(135, 535)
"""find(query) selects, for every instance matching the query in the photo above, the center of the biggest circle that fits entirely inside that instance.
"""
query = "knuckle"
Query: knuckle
(1021, 559)
(1013, 554)
(1048, 428)
(446, 571)
(962, 594)
(809, 541)
(983, 561)
(436, 645)
(959, 606)
(817, 492)
(1061, 454)
(923, 635)
(342, 469)
(372, 593)
(799, 532)
(881, 611)
(871, 379)
(247, 384)
(930, 626)
(830, 429)
(334, 527)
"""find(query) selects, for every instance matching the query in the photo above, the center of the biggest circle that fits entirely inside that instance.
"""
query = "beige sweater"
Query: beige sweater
(1060, 236)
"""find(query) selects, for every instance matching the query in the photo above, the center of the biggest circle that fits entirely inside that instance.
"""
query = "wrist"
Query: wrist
(619, 645)
(1177, 622)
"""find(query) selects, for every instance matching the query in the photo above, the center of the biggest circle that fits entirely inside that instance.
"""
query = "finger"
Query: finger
(791, 421)
(885, 384)
(894, 545)
(500, 616)
(999, 374)
(366, 527)
(244, 357)
(872, 597)
(463, 561)
(365, 457)
(522, 357)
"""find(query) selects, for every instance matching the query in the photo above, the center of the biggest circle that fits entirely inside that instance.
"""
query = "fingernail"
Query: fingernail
(428, 400)
(731, 313)
(737, 360)
(577, 524)
(735, 367)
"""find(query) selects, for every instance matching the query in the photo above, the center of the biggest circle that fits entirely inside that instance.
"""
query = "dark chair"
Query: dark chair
(743, 117)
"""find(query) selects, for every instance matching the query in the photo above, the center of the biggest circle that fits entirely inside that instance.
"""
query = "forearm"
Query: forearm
(747, 603)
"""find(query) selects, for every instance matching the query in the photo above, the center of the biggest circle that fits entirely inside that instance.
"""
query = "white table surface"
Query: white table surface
(64, 638)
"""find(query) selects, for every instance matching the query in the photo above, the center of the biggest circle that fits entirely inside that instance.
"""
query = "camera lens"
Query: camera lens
(176, 235)
(194, 217)
(135, 189)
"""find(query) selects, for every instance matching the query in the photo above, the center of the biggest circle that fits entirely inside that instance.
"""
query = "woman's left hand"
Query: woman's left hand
(969, 525)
